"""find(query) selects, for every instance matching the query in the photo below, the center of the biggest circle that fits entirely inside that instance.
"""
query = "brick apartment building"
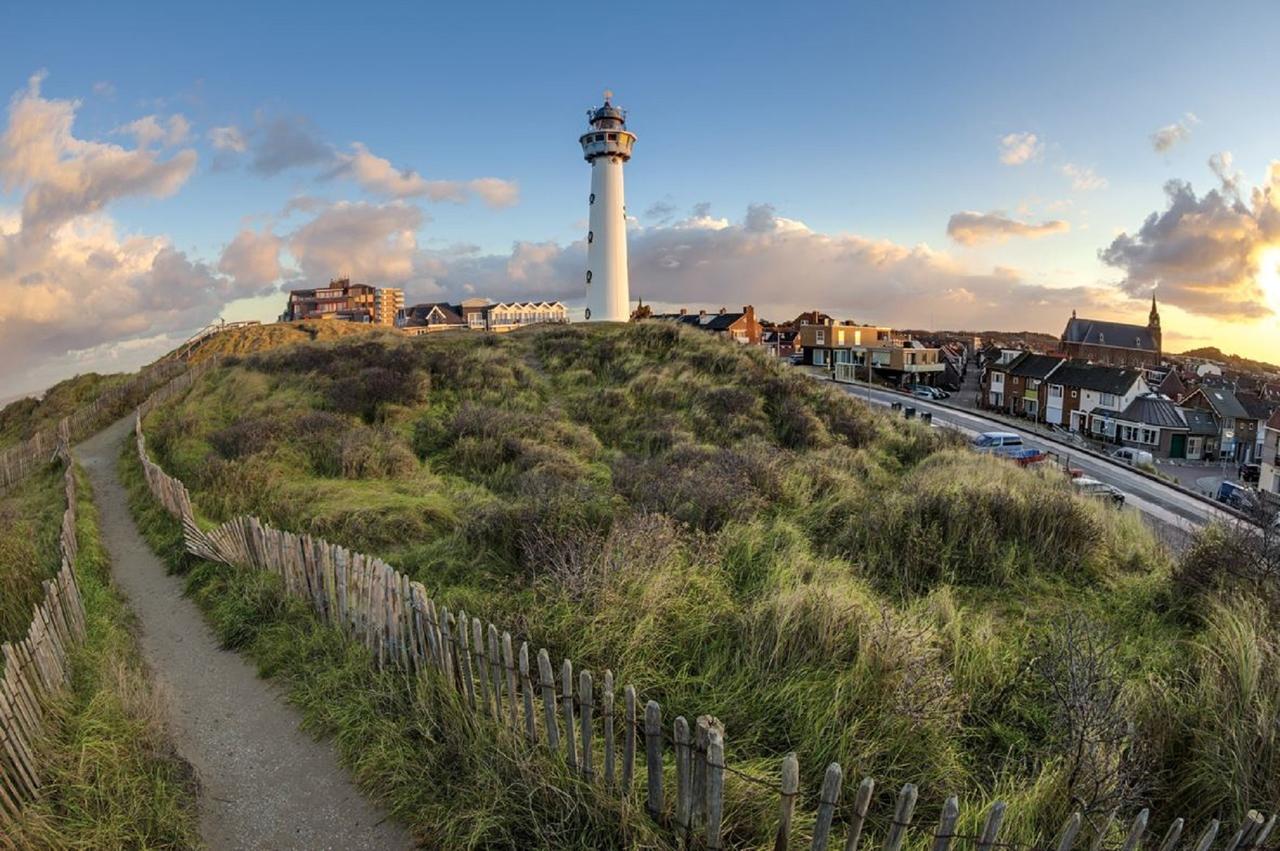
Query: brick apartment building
(345, 301)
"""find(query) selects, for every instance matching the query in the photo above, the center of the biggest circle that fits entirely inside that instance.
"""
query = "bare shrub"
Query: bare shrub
(906, 660)
(375, 454)
(1243, 552)
(1091, 727)
(579, 561)
(245, 437)
(703, 486)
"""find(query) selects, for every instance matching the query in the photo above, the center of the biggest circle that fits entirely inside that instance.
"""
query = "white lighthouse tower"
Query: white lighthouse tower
(607, 146)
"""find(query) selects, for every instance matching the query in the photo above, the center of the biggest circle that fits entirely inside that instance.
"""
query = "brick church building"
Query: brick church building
(1114, 343)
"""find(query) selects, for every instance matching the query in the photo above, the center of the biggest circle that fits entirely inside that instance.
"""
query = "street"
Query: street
(1169, 509)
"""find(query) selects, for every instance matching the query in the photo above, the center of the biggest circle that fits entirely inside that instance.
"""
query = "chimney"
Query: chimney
(684, 311)
(701, 314)
(749, 312)
(723, 311)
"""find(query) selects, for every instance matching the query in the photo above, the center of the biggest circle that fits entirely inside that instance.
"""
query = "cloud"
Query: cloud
(369, 242)
(281, 142)
(63, 176)
(1020, 148)
(1083, 178)
(378, 176)
(228, 138)
(778, 264)
(71, 282)
(1204, 252)
(104, 88)
(660, 211)
(252, 259)
(971, 228)
(149, 130)
(1171, 134)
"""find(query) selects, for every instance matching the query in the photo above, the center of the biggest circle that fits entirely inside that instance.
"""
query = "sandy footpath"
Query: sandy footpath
(264, 782)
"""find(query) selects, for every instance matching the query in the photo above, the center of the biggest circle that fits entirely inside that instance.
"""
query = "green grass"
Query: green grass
(112, 778)
(21, 419)
(734, 539)
(30, 521)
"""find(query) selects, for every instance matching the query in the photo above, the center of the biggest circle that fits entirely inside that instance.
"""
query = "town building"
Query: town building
(340, 300)
(1202, 434)
(846, 350)
(607, 146)
(478, 314)
(1025, 392)
(1237, 428)
(780, 341)
(1152, 423)
(1114, 343)
(741, 327)
(387, 304)
(1269, 482)
(1077, 389)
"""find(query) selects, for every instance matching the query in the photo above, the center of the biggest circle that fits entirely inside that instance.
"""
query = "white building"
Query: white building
(607, 146)
(1269, 482)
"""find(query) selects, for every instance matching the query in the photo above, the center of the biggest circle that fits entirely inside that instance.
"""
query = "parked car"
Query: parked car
(1250, 474)
(922, 393)
(1134, 457)
(1236, 495)
(796, 359)
(1026, 456)
(1098, 490)
(998, 442)
(933, 392)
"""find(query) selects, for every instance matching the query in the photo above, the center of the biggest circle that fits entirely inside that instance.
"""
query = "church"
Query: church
(1114, 343)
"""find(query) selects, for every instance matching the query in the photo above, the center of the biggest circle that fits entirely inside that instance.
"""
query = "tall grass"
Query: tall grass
(731, 537)
(112, 778)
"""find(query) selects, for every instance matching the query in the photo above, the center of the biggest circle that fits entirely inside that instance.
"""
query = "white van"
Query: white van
(998, 442)
(1134, 457)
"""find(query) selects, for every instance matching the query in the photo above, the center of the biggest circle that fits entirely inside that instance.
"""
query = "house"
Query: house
(429, 318)
(741, 327)
(1114, 343)
(1025, 389)
(847, 350)
(954, 357)
(477, 315)
(780, 341)
(1260, 410)
(1237, 428)
(1269, 483)
(1169, 385)
(1077, 389)
(1155, 424)
(1202, 434)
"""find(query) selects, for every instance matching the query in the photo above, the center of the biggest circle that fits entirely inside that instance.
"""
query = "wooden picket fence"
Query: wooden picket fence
(18, 462)
(576, 718)
(36, 667)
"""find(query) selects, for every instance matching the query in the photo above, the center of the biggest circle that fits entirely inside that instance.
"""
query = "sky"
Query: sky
(976, 166)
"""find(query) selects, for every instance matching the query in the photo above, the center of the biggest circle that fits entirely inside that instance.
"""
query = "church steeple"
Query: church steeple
(1153, 319)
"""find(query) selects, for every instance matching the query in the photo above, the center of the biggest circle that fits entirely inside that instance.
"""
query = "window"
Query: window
(821, 338)
(613, 137)
(592, 199)
(1150, 436)
(1055, 391)
(599, 137)
(1075, 393)
(590, 237)
(588, 276)
(1108, 400)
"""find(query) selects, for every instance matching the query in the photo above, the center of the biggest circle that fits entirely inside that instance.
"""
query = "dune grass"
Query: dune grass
(21, 419)
(111, 776)
(735, 539)
(30, 516)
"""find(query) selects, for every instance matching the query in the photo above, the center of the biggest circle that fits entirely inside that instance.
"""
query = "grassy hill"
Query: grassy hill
(22, 418)
(737, 539)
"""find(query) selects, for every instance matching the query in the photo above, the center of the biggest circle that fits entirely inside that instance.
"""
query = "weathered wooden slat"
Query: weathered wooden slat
(1206, 838)
(946, 831)
(513, 695)
(547, 680)
(566, 710)
(495, 673)
(991, 828)
(1070, 829)
(828, 798)
(1101, 835)
(586, 698)
(526, 687)
(653, 758)
(464, 663)
(858, 818)
(715, 788)
(684, 776)
(902, 817)
(787, 791)
(628, 737)
(1136, 830)
(606, 721)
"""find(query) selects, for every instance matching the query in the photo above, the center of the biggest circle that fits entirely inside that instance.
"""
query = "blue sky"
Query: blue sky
(870, 125)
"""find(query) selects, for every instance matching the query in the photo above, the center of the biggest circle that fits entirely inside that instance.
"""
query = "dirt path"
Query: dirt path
(264, 783)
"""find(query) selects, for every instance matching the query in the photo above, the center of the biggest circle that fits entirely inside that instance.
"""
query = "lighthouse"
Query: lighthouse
(607, 146)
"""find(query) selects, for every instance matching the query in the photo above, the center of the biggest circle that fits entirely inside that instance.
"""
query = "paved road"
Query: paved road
(264, 784)
(1165, 505)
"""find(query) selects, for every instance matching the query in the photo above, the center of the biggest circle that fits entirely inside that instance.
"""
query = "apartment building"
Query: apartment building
(341, 300)
(478, 314)
(1269, 483)
(387, 304)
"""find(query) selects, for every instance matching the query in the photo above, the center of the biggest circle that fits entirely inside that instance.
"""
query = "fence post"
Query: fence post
(606, 720)
(480, 671)
(628, 737)
(513, 698)
(1138, 828)
(526, 685)
(1171, 836)
(787, 796)
(548, 682)
(684, 782)
(1070, 828)
(860, 804)
(1102, 833)
(566, 706)
(653, 757)
(946, 825)
(991, 829)
(464, 662)
(1206, 838)
(586, 698)
(902, 818)
(715, 788)
(495, 673)
(827, 800)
